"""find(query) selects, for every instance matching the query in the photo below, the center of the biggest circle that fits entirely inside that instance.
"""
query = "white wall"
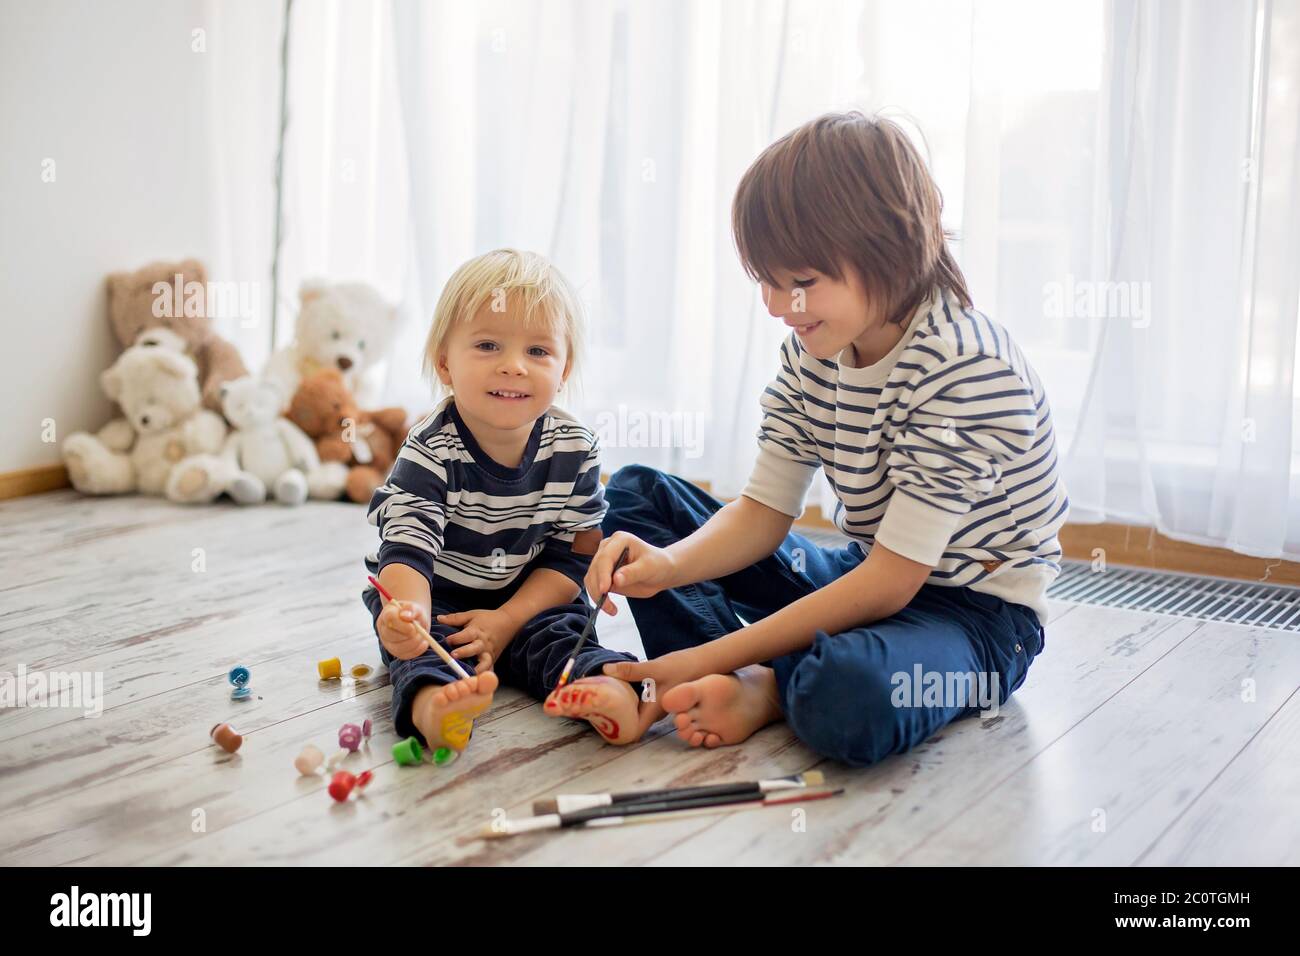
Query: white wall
(116, 97)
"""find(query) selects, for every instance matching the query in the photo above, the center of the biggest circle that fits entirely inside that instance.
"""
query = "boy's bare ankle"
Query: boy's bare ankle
(422, 710)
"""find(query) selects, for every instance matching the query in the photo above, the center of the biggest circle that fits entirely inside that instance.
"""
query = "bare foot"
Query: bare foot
(607, 703)
(445, 713)
(724, 708)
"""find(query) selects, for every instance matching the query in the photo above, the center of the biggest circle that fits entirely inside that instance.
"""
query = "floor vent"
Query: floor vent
(1254, 603)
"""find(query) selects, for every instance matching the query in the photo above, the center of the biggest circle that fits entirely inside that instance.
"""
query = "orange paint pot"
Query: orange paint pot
(225, 737)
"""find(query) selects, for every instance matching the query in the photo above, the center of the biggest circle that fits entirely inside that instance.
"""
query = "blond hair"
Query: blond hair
(542, 291)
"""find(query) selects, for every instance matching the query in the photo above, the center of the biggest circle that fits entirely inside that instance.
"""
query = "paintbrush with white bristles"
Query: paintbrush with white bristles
(648, 812)
(572, 802)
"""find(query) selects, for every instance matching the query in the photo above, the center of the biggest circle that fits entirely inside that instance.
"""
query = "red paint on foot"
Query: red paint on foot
(605, 726)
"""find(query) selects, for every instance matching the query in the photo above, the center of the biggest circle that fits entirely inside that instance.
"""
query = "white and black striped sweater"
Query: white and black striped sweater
(450, 511)
(943, 451)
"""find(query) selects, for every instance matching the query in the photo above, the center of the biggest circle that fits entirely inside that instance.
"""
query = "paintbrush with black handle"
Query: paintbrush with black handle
(591, 623)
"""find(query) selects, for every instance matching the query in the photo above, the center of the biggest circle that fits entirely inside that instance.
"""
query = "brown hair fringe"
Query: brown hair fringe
(847, 190)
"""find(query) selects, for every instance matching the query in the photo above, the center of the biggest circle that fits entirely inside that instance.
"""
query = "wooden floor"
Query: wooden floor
(1137, 739)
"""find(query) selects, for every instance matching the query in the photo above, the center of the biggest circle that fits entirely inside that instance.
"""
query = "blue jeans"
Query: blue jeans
(856, 696)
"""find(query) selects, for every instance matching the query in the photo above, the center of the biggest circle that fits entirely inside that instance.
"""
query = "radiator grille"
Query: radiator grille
(1253, 603)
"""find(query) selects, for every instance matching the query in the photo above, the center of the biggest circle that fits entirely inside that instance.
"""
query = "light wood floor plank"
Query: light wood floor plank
(1104, 792)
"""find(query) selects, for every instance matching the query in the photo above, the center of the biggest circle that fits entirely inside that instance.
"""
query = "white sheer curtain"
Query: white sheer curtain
(240, 47)
(1133, 215)
(1121, 177)
(609, 136)
(606, 134)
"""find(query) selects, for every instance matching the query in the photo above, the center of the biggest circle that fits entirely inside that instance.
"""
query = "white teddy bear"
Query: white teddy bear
(345, 326)
(270, 454)
(167, 442)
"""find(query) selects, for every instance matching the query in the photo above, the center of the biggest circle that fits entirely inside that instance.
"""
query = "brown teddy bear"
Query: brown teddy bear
(134, 306)
(367, 441)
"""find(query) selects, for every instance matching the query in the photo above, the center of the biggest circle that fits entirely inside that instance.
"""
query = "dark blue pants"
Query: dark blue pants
(856, 696)
(532, 662)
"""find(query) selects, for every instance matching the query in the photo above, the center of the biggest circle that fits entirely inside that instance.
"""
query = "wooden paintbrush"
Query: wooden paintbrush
(645, 812)
(437, 648)
(571, 802)
(591, 623)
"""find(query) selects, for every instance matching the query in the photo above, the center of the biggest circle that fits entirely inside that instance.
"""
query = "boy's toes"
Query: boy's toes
(712, 740)
(682, 697)
(683, 721)
(697, 738)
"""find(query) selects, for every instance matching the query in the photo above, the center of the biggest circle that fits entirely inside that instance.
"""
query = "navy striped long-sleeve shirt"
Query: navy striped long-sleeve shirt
(943, 451)
(450, 511)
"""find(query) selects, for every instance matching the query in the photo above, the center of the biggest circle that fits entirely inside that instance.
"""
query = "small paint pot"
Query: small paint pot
(224, 736)
(360, 671)
(309, 761)
(443, 756)
(330, 669)
(343, 783)
(350, 737)
(407, 752)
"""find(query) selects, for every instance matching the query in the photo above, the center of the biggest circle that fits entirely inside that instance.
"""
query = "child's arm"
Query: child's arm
(738, 534)
(410, 511)
(396, 623)
(543, 588)
(879, 587)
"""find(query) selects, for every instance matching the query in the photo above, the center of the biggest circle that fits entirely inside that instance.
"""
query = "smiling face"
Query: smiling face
(829, 314)
(848, 196)
(504, 372)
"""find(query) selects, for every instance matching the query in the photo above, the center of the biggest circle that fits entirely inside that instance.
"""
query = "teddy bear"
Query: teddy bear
(118, 435)
(367, 441)
(268, 454)
(166, 443)
(166, 295)
(345, 326)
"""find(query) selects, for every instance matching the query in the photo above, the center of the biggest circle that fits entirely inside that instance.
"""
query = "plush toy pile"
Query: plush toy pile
(195, 425)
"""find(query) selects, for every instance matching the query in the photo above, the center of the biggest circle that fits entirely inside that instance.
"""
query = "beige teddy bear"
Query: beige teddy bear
(173, 443)
(148, 299)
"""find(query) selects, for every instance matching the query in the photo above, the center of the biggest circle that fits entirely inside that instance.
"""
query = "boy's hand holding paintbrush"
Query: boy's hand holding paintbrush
(402, 618)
